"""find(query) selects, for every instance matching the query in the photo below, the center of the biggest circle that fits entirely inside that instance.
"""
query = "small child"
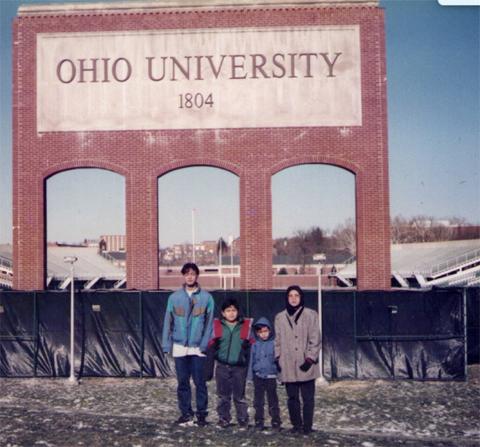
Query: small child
(232, 352)
(263, 369)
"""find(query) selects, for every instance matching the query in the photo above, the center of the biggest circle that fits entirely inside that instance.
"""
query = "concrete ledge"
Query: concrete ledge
(152, 6)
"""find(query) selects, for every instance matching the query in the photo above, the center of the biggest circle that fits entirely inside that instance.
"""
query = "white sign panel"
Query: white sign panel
(199, 79)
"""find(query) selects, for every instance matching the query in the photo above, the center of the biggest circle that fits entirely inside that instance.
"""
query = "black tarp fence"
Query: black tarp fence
(419, 335)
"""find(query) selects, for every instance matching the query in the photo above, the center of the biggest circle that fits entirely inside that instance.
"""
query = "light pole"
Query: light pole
(230, 242)
(321, 380)
(193, 235)
(71, 260)
(220, 250)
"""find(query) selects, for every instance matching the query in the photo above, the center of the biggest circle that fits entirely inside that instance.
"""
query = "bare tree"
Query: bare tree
(280, 246)
(305, 243)
(222, 248)
(421, 228)
(345, 236)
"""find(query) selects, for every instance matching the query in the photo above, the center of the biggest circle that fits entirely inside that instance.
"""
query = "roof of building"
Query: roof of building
(89, 264)
(331, 257)
(118, 255)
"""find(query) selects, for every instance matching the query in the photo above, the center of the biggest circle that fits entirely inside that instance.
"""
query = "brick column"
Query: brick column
(29, 232)
(256, 230)
(373, 233)
(142, 231)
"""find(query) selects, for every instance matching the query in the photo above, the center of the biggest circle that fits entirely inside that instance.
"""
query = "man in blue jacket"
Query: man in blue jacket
(187, 328)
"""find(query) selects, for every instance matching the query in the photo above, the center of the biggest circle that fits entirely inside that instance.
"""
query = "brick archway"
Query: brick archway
(253, 152)
(368, 221)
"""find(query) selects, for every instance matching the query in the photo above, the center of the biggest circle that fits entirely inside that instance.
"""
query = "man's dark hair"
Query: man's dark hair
(230, 302)
(190, 266)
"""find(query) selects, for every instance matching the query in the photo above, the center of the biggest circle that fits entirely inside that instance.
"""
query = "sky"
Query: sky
(433, 96)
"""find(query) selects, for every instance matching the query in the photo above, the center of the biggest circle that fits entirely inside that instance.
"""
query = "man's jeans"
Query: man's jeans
(186, 367)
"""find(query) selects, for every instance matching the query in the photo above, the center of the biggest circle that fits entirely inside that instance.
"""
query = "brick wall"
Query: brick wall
(254, 154)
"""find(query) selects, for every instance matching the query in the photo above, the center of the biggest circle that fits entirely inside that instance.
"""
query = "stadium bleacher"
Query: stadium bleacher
(91, 268)
(417, 265)
(428, 264)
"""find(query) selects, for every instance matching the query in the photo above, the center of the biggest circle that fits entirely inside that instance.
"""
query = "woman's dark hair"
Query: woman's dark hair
(297, 288)
(230, 302)
(190, 266)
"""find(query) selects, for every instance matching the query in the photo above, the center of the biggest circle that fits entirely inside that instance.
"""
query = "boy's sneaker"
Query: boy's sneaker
(201, 421)
(185, 420)
(242, 425)
(222, 423)
(276, 426)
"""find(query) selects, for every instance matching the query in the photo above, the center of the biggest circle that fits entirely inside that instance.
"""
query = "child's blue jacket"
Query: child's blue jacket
(262, 354)
(188, 321)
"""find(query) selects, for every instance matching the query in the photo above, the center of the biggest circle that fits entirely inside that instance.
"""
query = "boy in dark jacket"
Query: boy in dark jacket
(263, 370)
(232, 353)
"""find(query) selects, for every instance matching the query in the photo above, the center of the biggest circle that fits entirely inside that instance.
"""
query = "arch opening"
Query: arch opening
(313, 226)
(85, 218)
(198, 207)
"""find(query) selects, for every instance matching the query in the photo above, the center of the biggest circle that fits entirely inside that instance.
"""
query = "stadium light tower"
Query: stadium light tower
(71, 260)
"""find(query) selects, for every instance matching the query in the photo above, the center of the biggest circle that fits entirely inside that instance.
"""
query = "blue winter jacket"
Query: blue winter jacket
(188, 321)
(262, 354)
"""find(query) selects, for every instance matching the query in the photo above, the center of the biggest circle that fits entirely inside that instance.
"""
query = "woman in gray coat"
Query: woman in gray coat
(297, 347)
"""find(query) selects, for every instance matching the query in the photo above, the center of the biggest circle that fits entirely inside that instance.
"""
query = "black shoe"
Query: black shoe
(259, 426)
(295, 430)
(185, 420)
(222, 423)
(307, 430)
(201, 421)
(243, 425)
(276, 426)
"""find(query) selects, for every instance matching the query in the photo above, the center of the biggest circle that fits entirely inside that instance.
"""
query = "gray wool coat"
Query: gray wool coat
(294, 342)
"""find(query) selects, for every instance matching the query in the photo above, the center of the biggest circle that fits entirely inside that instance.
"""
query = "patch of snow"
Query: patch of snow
(474, 432)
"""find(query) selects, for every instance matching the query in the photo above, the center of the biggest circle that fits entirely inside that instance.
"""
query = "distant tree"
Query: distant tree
(398, 228)
(305, 243)
(422, 228)
(282, 271)
(280, 246)
(344, 236)
(222, 248)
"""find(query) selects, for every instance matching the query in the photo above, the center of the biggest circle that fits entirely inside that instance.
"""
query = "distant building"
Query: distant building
(114, 242)
(91, 242)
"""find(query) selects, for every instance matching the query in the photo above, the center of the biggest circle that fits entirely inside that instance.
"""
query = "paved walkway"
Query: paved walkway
(139, 412)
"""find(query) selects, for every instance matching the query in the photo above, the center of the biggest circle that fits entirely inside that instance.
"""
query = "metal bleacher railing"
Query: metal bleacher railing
(6, 263)
(6, 273)
(107, 256)
(470, 257)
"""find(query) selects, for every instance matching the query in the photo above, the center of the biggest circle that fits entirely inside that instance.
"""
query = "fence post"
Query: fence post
(355, 332)
(142, 335)
(465, 335)
(35, 334)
